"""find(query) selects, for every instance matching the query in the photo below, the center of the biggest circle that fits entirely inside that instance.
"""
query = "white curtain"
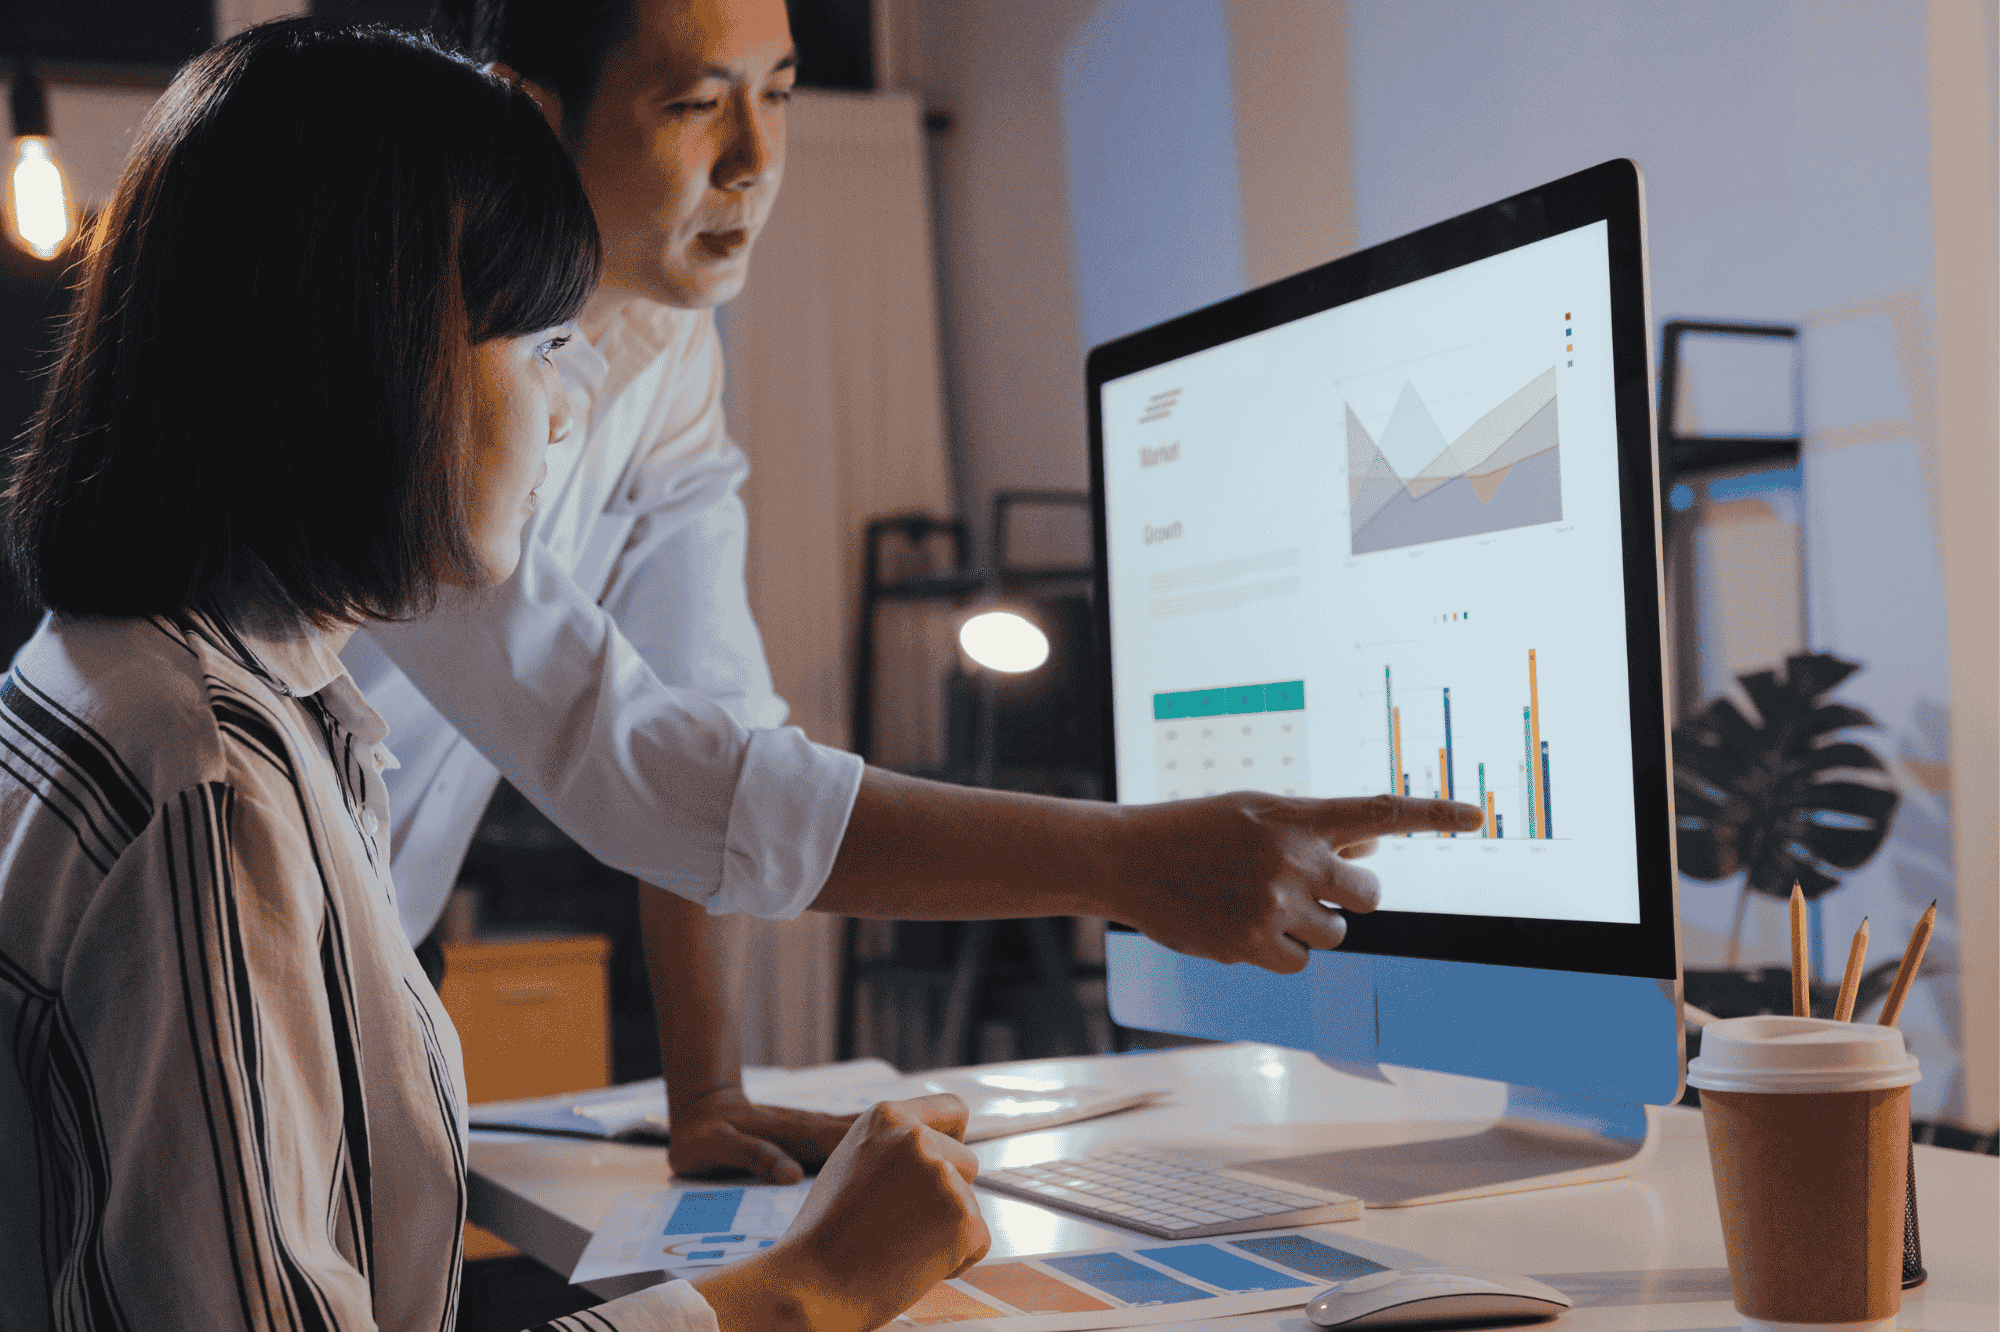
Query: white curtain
(835, 392)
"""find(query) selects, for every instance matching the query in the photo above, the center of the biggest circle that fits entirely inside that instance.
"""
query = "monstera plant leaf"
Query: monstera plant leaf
(1777, 795)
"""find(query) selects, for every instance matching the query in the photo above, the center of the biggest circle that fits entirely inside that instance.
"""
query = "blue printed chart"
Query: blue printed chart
(682, 1231)
(1150, 1283)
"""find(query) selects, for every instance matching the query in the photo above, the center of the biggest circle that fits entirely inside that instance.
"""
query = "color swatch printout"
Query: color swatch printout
(1144, 1284)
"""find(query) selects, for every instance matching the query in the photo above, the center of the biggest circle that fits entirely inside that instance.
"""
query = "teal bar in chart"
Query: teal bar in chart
(1528, 746)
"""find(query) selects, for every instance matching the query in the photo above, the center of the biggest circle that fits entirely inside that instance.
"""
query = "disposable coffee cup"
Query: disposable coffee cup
(1809, 1135)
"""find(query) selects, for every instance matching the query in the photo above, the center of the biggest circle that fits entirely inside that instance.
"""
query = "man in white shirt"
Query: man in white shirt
(619, 682)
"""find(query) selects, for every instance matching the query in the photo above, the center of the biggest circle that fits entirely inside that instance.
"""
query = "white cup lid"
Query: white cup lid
(1795, 1054)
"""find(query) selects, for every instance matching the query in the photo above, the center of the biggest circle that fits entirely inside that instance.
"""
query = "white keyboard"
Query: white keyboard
(1160, 1194)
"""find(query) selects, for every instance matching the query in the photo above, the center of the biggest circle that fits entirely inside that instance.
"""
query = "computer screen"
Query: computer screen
(1378, 548)
(1390, 526)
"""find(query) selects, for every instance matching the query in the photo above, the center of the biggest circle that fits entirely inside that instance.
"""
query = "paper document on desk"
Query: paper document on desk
(638, 1110)
(688, 1228)
(999, 1101)
(684, 1231)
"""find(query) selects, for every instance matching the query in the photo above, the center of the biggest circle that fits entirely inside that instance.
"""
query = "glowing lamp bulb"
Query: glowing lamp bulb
(38, 206)
(1003, 641)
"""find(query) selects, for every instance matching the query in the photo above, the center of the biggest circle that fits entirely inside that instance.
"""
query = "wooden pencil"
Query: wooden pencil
(1801, 994)
(1850, 983)
(1913, 957)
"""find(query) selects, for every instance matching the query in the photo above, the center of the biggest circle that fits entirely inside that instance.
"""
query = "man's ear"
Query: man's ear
(544, 98)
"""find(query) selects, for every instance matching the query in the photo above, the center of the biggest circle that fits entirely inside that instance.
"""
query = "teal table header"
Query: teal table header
(1286, 696)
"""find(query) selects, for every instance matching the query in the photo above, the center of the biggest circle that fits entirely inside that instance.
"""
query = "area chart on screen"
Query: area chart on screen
(1504, 471)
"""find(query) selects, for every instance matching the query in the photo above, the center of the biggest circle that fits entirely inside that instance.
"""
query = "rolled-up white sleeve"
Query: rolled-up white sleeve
(673, 1307)
(657, 781)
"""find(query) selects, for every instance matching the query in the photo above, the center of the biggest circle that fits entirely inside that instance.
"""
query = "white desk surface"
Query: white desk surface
(1641, 1254)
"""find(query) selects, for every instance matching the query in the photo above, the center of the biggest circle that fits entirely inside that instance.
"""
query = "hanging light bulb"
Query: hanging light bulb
(1003, 641)
(39, 208)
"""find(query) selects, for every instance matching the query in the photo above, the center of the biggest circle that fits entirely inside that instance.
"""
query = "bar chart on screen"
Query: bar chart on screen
(1505, 710)
(1470, 748)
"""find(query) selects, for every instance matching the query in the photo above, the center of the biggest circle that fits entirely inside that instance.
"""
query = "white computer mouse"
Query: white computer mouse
(1420, 1296)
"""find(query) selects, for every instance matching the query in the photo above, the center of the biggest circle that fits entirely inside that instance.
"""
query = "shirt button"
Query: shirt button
(370, 822)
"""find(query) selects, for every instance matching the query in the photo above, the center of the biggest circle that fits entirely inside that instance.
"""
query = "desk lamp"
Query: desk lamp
(1000, 642)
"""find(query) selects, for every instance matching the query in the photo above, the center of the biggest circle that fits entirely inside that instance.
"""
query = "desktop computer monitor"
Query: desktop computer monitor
(1392, 524)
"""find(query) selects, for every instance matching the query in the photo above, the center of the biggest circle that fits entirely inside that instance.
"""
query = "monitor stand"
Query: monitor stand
(1544, 1139)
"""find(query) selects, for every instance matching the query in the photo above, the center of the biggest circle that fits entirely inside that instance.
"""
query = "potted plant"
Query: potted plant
(1781, 798)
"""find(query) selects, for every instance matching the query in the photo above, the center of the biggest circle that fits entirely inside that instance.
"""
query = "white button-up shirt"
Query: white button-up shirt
(229, 1099)
(617, 679)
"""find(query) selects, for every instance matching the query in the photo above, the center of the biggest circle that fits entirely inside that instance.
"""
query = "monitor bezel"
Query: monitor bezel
(1612, 193)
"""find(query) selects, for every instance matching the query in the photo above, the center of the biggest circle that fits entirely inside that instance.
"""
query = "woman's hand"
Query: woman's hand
(891, 1215)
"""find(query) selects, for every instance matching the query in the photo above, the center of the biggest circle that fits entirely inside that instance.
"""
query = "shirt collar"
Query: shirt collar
(633, 336)
(300, 661)
(302, 664)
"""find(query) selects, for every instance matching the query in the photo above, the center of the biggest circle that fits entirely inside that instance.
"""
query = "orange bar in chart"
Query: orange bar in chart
(1489, 813)
(1442, 780)
(1396, 722)
(948, 1304)
(1031, 1291)
(1535, 747)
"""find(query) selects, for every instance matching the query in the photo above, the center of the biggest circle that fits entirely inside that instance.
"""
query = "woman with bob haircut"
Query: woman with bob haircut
(303, 389)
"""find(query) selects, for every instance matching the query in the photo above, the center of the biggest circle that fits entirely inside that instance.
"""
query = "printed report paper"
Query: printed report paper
(1000, 1101)
(684, 1231)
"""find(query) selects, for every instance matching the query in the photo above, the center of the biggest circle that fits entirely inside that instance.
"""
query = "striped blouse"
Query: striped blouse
(230, 1098)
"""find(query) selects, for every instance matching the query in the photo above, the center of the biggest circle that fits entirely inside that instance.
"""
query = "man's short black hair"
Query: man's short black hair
(259, 400)
(560, 44)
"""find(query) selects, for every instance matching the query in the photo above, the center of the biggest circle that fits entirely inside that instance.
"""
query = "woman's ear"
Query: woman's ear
(545, 100)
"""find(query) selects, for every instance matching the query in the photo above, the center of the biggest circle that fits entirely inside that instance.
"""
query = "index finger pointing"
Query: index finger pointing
(1352, 820)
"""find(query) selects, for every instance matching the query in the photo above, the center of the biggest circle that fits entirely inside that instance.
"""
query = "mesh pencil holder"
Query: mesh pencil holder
(1913, 1247)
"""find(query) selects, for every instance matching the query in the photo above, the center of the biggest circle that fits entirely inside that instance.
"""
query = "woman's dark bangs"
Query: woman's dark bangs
(529, 252)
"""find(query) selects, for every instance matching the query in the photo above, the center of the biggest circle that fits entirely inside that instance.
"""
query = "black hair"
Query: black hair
(259, 400)
(560, 44)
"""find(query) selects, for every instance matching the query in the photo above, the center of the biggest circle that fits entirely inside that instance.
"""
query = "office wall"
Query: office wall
(1965, 177)
(1013, 364)
(1787, 151)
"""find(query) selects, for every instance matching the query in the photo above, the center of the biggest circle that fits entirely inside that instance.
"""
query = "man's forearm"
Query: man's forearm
(920, 850)
(1239, 877)
(700, 1048)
